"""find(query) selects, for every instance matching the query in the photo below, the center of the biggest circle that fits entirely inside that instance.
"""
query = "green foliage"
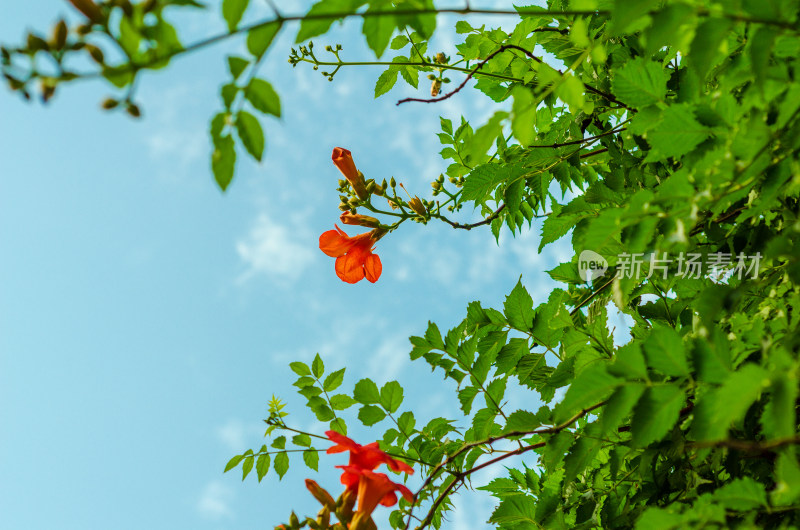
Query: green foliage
(635, 128)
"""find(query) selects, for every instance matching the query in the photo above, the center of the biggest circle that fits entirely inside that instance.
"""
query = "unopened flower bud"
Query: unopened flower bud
(359, 220)
(417, 205)
(324, 517)
(452, 180)
(435, 185)
(345, 504)
(294, 521)
(320, 494)
(371, 187)
(109, 103)
(436, 86)
(343, 206)
(344, 161)
(393, 182)
(441, 58)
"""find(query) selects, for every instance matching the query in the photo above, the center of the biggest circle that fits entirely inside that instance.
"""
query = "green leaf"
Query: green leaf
(571, 92)
(659, 519)
(780, 418)
(666, 28)
(260, 38)
(300, 368)
(378, 30)
(279, 442)
(523, 115)
(676, 134)
(590, 387)
(311, 27)
(311, 458)
(233, 462)
(302, 440)
(399, 42)
(232, 12)
(334, 380)
(665, 352)
(366, 392)
(522, 420)
(342, 402)
(317, 366)
(656, 413)
(370, 414)
(251, 134)
(263, 97)
(466, 396)
(717, 411)
(236, 65)
(247, 466)
(619, 406)
(483, 180)
(386, 81)
(518, 308)
(391, 396)
(628, 16)
(262, 466)
(705, 49)
(640, 83)
(281, 464)
(629, 362)
(742, 494)
(223, 160)
(514, 510)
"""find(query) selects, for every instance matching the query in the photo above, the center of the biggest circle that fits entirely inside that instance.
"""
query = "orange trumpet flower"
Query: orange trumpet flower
(354, 258)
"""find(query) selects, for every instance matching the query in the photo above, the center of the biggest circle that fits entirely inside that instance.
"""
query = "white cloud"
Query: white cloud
(277, 251)
(389, 358)
(214, 502)
(237, 435)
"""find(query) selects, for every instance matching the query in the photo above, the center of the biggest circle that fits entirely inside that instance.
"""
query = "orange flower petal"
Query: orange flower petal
(373, 268)
(344, 161)
(349, 269)
(334, 244)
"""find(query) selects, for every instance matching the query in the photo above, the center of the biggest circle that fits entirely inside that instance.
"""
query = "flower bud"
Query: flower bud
(294, 521)
(359, 220)
(344, 161)
(343, 206)
(344, 506)
(320, 494)
(441, 58)
(109, 103)
(436, 86)
(417, 205)
(59, 37)
(371, 186)
(324, 517)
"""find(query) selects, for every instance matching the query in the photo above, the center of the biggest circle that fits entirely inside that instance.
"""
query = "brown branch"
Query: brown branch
(480, 65)
(488, 220)
(747, 445)
(461, 475)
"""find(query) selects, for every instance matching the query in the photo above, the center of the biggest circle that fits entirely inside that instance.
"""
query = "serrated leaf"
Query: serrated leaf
(370, 414)
(366, 392)
(523, 421)
(665, 352)
(281, 464)
(300, 368)
(483, 180)
(333, 380)
(342, 402)
(386, 81)
(676, 134)
(705, 48)
(263, 97)
(260, 38)
(399, 42)
(518, 308)
(466, 396)
(656, 413)
(232, 12)
(223, 160)
(247, 466)
(311, 27)
(251, 134)
(391, 396)
(780, 418)
(640, 83)
(523, 115)
(619, 406)
(317, 366)
(742, 494)
(233, 462)
(514, 510)
(378, 30)
(262, 465)
(311, 458)
(590, 387)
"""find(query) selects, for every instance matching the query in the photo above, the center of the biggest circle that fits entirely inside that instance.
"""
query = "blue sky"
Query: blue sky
(146, 318)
